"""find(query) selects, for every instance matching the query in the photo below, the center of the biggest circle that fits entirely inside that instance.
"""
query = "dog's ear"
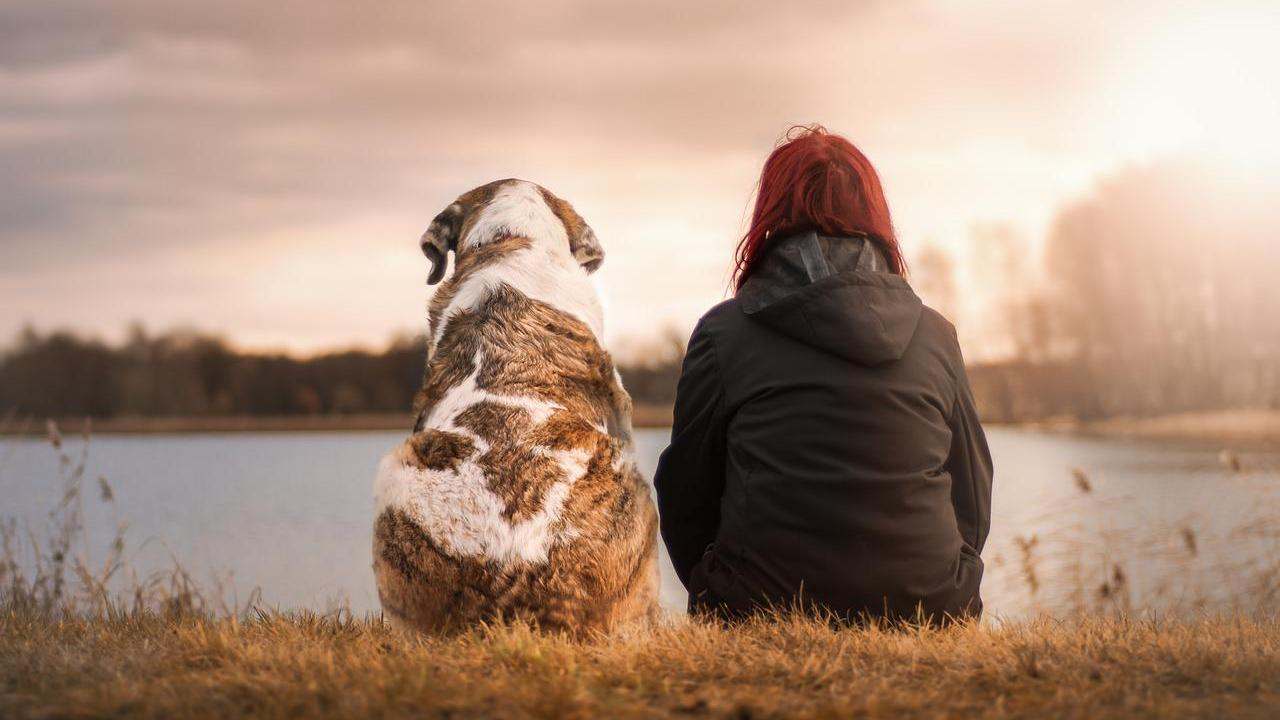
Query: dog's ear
(586, 249)
(441, 237)
(583, 243)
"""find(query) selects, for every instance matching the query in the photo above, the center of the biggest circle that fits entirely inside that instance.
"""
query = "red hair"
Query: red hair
(817, 181)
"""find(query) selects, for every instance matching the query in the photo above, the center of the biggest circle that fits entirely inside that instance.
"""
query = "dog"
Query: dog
(517, 497)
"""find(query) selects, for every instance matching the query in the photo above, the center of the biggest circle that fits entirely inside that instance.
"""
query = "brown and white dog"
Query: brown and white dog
(517, 496)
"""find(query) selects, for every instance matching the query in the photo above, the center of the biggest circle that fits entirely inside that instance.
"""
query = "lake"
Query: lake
(1077, 523)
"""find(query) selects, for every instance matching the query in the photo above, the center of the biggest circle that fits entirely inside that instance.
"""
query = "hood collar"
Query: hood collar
(835, 293)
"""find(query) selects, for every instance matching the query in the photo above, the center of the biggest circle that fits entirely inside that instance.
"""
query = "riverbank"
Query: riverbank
(1238, 429)
(308, 666)
(1234, 429)
(644, 416)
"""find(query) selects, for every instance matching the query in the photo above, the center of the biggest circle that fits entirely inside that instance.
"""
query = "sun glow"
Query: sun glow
(1209, 82)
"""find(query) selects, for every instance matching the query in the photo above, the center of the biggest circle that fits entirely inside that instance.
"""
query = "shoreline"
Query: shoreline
(1243, 428)
(644, 416)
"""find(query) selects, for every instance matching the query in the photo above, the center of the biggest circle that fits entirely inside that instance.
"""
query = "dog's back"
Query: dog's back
(518, 495)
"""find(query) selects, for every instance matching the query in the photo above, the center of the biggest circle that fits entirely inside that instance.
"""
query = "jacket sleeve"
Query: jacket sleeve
(690, 475)
(970, 467)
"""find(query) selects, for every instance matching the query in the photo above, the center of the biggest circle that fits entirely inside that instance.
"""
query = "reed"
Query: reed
(56, 572)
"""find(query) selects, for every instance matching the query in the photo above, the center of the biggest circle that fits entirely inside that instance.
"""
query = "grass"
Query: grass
(145, 664)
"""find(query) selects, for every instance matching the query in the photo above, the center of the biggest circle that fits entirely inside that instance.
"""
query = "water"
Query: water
(291, 514)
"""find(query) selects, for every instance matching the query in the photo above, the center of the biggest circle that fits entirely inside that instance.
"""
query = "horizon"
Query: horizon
(263, 174)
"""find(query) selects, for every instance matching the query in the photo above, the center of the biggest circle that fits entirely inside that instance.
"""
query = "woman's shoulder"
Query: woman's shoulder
(936, 330)
(724, 319)
(936, 323)
(718, 312)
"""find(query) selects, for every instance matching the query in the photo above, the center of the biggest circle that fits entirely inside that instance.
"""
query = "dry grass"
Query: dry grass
(150, 665)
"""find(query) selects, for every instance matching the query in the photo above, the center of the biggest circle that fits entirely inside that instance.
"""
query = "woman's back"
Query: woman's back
(838, 402)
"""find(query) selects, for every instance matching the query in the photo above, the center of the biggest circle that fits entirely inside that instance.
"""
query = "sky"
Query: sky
(264, 170)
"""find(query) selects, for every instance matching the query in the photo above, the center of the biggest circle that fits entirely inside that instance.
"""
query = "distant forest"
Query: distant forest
(189, 374)
(1155, 294)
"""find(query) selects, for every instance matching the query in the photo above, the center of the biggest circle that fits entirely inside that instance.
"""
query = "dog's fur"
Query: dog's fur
(517, 496)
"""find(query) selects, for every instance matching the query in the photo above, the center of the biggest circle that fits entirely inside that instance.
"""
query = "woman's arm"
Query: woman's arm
(690, 475)
(970, 467)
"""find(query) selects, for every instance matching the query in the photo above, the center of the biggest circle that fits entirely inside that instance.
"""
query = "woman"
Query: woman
(825, 451)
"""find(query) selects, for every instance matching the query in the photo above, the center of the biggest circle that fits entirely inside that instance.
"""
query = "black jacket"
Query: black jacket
(825, 448)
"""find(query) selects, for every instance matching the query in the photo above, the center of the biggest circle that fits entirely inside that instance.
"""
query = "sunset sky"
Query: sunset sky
(264, 170)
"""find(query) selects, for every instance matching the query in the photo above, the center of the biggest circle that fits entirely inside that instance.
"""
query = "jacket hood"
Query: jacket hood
(836, 294)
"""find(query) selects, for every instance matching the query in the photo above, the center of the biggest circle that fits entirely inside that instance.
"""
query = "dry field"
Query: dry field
(282, 666)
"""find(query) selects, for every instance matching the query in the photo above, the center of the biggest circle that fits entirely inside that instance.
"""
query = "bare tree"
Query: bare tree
(1163, 289)
(934, 277)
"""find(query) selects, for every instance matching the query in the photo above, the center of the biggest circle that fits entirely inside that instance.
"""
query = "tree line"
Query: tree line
(192, 374)
(1154, 294)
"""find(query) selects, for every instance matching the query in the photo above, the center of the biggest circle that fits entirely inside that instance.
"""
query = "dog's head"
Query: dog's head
(503, 208)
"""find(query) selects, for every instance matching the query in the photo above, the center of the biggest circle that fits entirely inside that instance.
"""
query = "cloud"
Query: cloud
(204, 143)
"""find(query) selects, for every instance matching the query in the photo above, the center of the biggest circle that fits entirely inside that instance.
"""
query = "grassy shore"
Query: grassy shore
(278, 666)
